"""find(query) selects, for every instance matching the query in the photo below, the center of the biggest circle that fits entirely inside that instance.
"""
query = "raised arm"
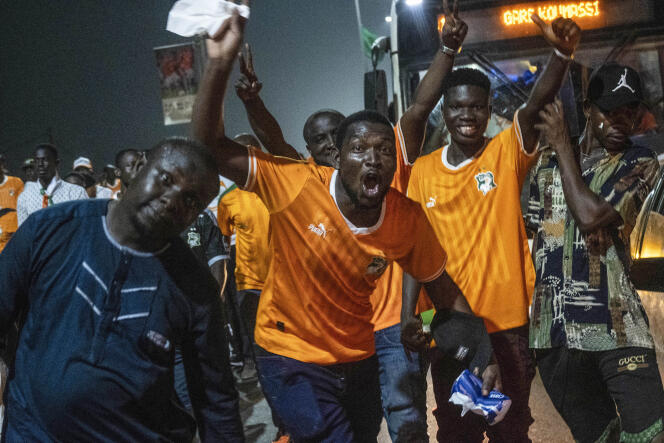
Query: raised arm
(262, 122)
(430, 89)
(590, 211)
(207, 118)
(564, 35)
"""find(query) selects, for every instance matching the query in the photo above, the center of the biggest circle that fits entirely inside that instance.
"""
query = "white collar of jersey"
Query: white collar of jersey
(55, 182)
(4, 180)
(134, 252)
(448, 165)
(354, 229)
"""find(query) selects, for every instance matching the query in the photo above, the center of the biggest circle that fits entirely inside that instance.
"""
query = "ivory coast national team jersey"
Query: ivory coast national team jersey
(246, 214)
(10, 188)
(475, 209)
(386, 298)
(315, 306)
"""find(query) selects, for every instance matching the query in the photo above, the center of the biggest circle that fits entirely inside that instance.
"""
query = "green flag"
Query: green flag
(368, 39)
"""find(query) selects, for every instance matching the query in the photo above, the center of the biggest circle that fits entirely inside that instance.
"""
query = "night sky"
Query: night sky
(86, 69)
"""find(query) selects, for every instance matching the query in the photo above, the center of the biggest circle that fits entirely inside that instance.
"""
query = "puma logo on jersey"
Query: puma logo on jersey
(485, 182)
(622, 83)
(431, 203)
(318, 230)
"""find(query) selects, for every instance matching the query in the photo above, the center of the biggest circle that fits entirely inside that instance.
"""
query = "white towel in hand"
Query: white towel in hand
(190, 17)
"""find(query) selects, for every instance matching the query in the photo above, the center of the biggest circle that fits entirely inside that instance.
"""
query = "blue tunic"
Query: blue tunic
(95, 356)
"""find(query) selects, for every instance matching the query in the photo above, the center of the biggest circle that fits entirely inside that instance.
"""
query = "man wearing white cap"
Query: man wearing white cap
(84, 165)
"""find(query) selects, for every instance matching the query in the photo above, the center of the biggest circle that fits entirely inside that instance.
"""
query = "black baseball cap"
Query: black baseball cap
(612, 86)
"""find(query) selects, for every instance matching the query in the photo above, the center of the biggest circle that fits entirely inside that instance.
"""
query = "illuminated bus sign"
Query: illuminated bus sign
(550, 11)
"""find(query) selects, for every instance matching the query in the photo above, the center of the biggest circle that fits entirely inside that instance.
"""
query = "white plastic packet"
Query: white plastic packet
(190, 17)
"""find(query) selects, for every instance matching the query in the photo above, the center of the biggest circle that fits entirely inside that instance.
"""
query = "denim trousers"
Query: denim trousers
(314, 403)
(403, 387)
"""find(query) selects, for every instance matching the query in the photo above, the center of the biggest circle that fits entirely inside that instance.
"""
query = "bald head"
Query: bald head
(320, 132)
(193, 158)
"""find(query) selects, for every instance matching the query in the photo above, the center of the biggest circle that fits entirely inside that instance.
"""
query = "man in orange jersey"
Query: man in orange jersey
(470, 192)
(402, 379)
(10, 188)
(333, 233)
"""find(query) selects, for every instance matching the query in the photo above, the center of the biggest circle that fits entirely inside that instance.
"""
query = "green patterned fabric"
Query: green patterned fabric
(583, 296)
(645, 436)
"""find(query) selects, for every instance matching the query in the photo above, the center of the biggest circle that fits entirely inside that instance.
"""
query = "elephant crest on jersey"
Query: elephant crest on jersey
(485, 182)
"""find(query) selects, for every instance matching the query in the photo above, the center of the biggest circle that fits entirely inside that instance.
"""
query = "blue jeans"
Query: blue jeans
(403, 387)
(336, 403)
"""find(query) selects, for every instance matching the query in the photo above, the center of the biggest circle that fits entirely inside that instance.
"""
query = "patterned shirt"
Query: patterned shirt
(33, 196)
(584, 298)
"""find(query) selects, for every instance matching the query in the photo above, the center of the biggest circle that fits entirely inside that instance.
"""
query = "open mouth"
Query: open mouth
(371, 184)
(468, 130)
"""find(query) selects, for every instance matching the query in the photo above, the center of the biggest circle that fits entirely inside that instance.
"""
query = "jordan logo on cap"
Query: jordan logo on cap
(622, 83)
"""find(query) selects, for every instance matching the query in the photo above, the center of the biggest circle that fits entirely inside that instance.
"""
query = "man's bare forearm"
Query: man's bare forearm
(589, 210)
(410, 294)
(427, 96)
(543, 93)
(267, 129)
(207, 116)
(445, 294)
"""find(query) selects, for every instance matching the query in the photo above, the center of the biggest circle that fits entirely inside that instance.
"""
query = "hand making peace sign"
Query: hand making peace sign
(454, 30)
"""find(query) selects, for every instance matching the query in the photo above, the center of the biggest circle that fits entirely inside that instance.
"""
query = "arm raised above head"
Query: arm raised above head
(430, 89)
(208, 117)
(262, 122)
(563, 35)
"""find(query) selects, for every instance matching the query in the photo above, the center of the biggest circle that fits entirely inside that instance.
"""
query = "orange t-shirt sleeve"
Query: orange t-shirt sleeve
(426, 259)
(403, 170)
(276, 180)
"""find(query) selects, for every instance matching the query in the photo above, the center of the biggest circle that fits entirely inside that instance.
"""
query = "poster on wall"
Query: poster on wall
(179, 77)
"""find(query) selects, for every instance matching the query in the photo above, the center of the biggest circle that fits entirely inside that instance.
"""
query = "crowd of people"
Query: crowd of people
(133, 303)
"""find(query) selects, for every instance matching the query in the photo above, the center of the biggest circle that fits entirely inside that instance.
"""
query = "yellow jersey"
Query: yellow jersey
(475, 209)
(242, 213)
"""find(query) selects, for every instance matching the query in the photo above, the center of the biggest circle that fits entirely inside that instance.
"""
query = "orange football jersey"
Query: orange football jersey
(242, 213)
(315, 306)
(475, 209)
